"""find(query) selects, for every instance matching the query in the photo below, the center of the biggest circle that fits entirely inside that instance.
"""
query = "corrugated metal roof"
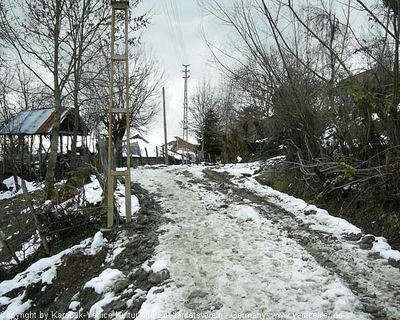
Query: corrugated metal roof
(39, 121)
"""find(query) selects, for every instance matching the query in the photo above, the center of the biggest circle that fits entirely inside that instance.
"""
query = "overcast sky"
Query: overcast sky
(174, 36)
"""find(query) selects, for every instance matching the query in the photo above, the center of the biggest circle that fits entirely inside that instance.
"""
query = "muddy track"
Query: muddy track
(366, 275)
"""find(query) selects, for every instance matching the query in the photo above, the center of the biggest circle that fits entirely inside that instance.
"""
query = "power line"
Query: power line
(170, 28)
(174, 36)
(178, 26)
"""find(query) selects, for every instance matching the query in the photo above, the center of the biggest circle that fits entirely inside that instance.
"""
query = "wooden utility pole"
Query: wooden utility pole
(185, 108)
(165, 126)
(121, 59)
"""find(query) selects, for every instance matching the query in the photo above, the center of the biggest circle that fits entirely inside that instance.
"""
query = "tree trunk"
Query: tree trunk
(36, 219)
(31, 159)
(396, 80)
(74, 157)
(51, 166)
(77, 79)
(103, 156)
(202, 138)
(118, 132)
(118, 150)
(13, 164)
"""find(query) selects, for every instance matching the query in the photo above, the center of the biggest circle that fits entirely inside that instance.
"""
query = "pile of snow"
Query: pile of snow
(385, 250)
(98, 243)
(105, 280)
(93, 191)
(96, 310)
(319, 219)
(103, 285)
(244, 212)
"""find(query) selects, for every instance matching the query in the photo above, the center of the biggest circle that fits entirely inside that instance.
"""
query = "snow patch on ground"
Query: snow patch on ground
(15, 308)
(98, 243)
(10, 184)
(94, 195)
(245, 213)
(43, 270)
(319, 219)
(28, 248)
(239, 169)
(160, 264)
(380, 245)
(74, 305)
(105, 280)
(120, 200)
(152, 307)
(93, 191)
(117, 247)
(97, 309)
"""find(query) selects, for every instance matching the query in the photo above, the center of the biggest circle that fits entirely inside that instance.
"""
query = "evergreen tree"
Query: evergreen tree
(209, 137)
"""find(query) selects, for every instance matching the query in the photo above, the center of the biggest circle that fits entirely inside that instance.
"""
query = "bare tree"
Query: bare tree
(38, 35)
(390, 24)
(204, 100)
(60, 38)
(27, 92)
(6, 108)
(89, 25)
(145, 82)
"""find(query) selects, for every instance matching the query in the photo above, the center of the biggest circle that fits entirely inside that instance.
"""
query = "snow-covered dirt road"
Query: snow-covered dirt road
(233, 254)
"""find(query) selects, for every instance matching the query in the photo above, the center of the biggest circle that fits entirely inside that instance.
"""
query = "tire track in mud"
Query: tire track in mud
(375, 283)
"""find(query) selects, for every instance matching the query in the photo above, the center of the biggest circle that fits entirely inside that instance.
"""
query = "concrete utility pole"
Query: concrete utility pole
(165, 126)
(119, 61)
(185, 108)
